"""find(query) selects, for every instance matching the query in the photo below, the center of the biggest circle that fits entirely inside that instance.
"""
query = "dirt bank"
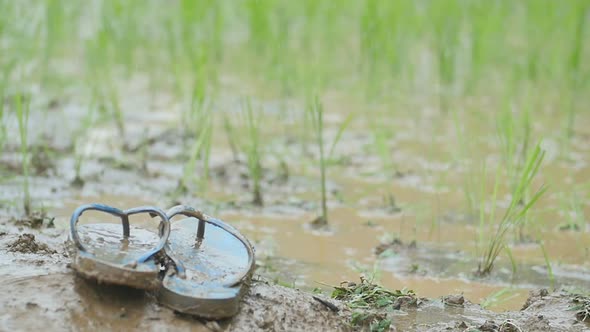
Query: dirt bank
(39, 291)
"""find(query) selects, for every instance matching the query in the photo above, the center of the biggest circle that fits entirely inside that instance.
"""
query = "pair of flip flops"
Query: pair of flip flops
(198, 265)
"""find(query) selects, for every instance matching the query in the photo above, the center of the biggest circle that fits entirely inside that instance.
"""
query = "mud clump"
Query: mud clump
(275, 308)
(77, 182)
(534, 296)
(454, 300)
(36, 220)
(489, 326)
(319, 223)
(27, 244)
(405, 302)
(395, 245)
(582, 308)
(533, 323)
(43, 164)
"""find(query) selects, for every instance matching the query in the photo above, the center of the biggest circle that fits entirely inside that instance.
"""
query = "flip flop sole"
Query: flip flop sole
(110, 259)
(102, 253)
(212, 303)
(215, 270)
(103, 272)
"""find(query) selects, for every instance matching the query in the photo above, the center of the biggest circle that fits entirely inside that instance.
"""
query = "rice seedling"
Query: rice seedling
(22, 111)
(198, 108)
(513, 264)
(100, 78)
(174, 58)
(253, 149)
(201, 50)
(283, 70)
(113, 101)
(230, 133)
(370, 43)
(201, 118)
(446, 27)
(548, 264)
(574, 63)
(381, 138)
(385, 29)
(54, 19)
(345, 123)
(259, 24)
(315, 111)
(493, 231)
(513, 132)
(531, 65)
(198, 123)
(79, 146)
(485, 25)
(200, 150)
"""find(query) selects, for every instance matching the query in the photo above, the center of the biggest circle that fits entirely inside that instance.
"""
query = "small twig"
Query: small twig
(327, 304)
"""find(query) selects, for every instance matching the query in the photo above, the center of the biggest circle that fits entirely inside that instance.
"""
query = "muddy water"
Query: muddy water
(299, 256)
(348, 250)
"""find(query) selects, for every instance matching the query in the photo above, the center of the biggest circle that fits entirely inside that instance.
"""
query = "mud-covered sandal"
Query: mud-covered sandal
(100, 252)
(210, 268)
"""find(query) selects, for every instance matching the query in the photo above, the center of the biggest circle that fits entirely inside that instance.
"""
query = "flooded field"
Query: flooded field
(432, 162)
(412, 230)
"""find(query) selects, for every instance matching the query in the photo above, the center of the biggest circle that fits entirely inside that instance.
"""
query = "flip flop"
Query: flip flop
(210, 269)
(99, 252)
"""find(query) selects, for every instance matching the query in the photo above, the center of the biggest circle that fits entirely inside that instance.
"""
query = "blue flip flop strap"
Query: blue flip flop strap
(203, 219)
(124, 215)
(164, 228)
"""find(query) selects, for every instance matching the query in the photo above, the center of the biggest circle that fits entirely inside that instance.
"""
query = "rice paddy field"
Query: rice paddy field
(441, 146)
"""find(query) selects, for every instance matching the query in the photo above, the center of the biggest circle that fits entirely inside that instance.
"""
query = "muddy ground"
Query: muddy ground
(39, 291)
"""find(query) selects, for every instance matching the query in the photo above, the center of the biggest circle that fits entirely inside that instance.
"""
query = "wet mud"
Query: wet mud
(25, 243)
(40, 291)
